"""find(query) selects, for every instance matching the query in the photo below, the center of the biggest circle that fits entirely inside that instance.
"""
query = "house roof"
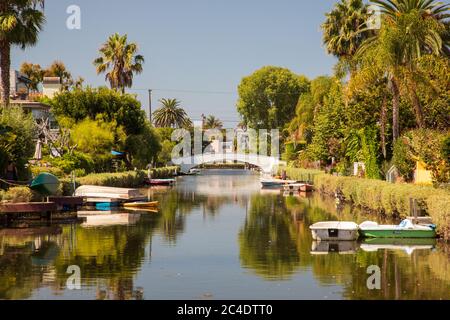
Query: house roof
(31, 104)
(51, 80)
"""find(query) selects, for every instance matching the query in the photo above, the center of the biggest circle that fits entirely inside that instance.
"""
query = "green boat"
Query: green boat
(46, 184)
(406, 229)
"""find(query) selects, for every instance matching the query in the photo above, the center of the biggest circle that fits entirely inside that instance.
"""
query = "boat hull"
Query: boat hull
(335, 235)
(334, 231)
(417, 234)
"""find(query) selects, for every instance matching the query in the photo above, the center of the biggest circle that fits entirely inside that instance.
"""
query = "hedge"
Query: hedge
(384, 198)
(129, 179)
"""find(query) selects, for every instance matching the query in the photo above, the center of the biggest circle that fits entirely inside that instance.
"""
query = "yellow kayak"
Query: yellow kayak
(141, 205)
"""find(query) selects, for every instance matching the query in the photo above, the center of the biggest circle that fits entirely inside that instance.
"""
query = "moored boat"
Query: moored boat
(45, 183)
(406, 229)
(275, 183)
(334, 231)
(108, 193)
(298, 187)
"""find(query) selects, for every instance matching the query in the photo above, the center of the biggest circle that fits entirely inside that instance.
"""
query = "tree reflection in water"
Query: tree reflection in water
(274, 243)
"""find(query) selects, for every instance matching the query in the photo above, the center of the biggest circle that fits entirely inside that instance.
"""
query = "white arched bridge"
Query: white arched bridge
(266, 163)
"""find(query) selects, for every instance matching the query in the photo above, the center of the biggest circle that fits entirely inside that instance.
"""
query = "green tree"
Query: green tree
(434, 94)
(268, 97)
(167, 145)
(33, 72)
(328, 126)
(143, 148)
(17, 132)
(20, 23)
(97, 137)
(82, 103)
(171, 115)
(212, 122)
(409, 30)
(309, 104)
(120, 61)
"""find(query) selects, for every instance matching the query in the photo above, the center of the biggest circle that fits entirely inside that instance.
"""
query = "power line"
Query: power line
(188, 91)
(210, 92)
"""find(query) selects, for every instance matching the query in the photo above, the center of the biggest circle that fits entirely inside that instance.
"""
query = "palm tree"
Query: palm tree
(20, 23)
(171, 115)
(344, 30)
(410, 29)
(212, 122)
(120, 62)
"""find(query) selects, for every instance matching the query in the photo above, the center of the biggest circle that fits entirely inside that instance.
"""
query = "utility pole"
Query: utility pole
(150, 105)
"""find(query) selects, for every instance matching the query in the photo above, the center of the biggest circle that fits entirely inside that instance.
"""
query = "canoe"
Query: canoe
(334, 231)
(143, 205)
(406, 229)
(45, 184)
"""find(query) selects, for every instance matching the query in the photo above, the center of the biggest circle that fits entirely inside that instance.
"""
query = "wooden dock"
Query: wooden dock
(67, 201)
(28, 207)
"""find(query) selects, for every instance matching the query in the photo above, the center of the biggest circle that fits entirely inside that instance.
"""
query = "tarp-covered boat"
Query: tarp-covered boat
(46, 184)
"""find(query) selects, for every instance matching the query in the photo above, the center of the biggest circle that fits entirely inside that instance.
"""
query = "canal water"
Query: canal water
(218, 236)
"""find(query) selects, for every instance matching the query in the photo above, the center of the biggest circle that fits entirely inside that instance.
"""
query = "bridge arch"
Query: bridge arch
(266, 163)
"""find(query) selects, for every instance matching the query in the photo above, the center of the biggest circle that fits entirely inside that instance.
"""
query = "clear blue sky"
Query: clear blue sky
(198, 46)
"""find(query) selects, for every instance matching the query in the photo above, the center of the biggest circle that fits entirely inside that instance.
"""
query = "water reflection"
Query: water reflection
(260, 239)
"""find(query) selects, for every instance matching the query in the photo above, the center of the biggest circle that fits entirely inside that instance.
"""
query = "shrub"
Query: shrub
(130, 179)
(299, 174)
(70, 162)
(17, 133)
(37, 170)
(390, 199)
(17, 194)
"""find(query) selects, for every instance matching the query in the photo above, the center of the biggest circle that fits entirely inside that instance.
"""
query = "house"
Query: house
(19, 85)
(20, 95)
(51, 86)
